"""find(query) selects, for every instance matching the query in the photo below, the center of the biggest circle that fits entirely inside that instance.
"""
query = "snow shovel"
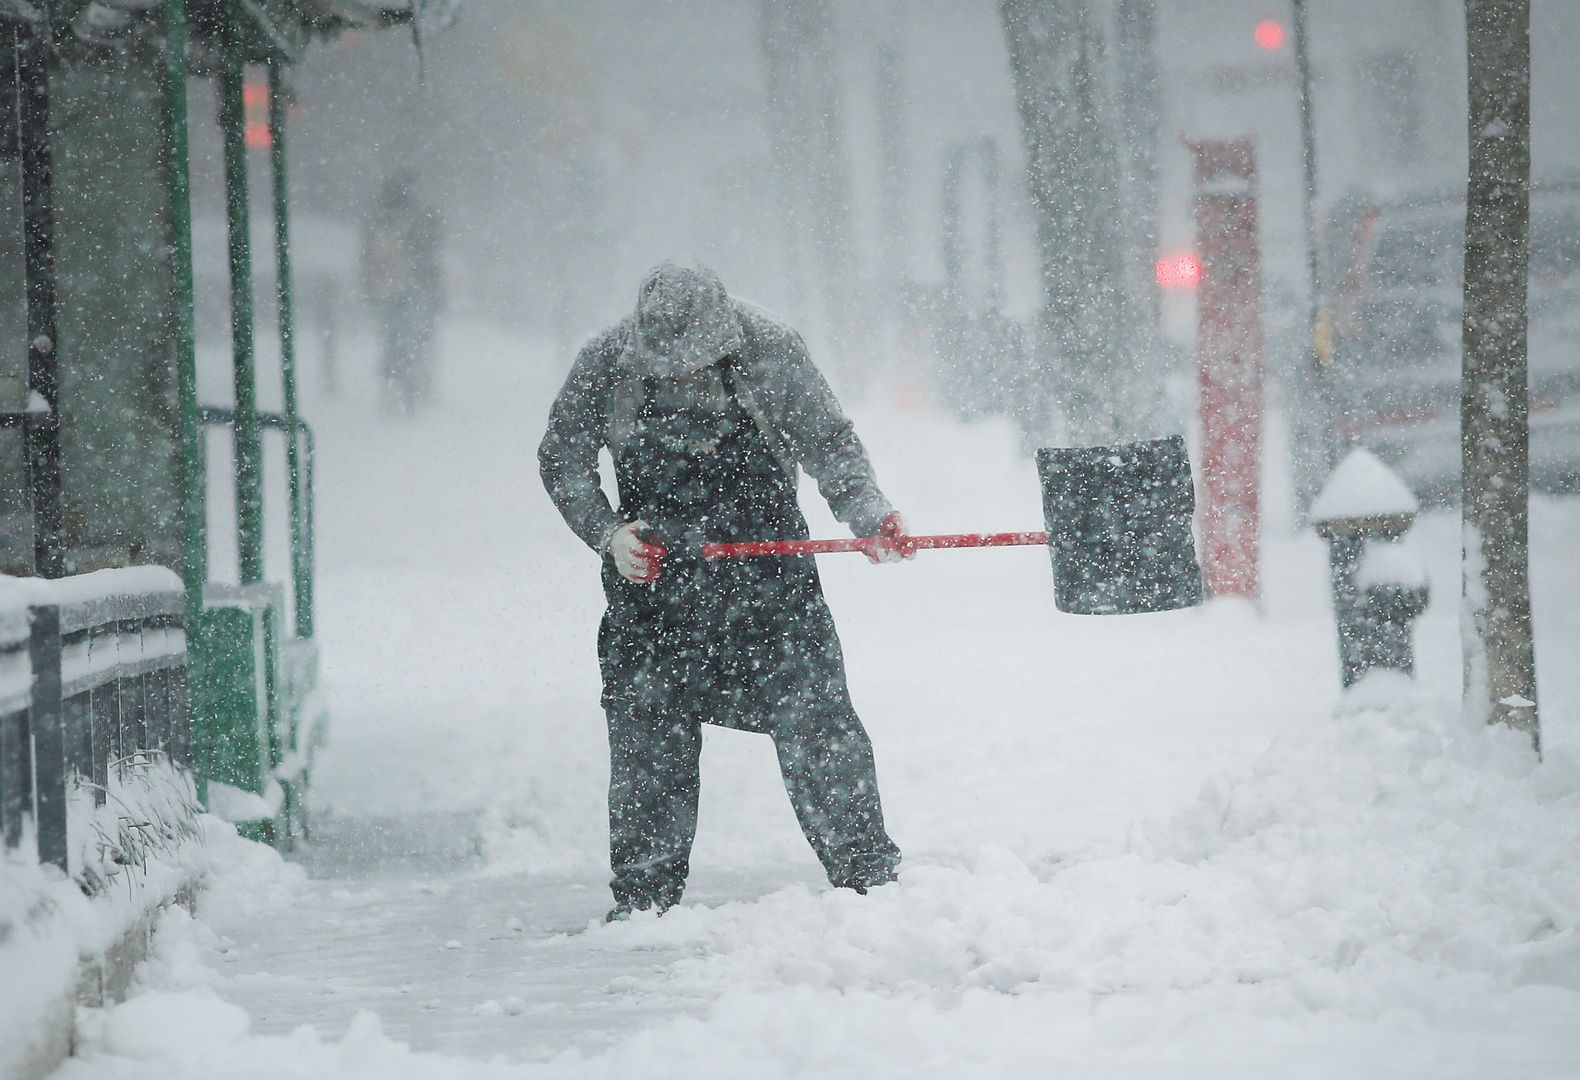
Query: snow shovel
(1118, 530)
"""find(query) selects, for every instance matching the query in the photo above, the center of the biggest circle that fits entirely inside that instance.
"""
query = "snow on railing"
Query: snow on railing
(95, 728)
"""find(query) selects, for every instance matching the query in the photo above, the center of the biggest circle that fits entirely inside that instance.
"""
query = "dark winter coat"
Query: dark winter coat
(775, 383)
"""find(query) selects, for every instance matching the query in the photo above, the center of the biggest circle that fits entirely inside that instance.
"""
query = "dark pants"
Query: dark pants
(747, 643)
(656, 707)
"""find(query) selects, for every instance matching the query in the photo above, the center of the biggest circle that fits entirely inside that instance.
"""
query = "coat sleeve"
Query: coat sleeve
(824, 440)
(568, 455)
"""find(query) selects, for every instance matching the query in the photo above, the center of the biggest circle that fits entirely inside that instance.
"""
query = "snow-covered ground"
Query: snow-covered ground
(1146, 846)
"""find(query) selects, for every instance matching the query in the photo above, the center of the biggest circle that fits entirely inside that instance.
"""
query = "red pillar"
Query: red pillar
(1229, 360)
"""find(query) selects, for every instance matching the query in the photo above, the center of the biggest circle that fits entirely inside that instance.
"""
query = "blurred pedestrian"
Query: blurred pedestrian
(708, 408)
(403, 282)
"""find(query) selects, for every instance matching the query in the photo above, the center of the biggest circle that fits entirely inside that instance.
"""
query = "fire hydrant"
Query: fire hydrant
(1379, 587)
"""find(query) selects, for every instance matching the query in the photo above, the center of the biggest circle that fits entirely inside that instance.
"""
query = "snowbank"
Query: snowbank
(133, 843)
(134, 852)
(58, 935)
(133, 855)
(35, 938)
(1389, 865)
(1388, 894)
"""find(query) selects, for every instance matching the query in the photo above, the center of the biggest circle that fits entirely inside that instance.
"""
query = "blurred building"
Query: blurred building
(116, 292)
(1388, 90)
(580, 144)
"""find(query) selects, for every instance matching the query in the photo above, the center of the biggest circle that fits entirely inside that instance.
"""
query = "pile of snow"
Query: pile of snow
(1388, 893)
(1390, 562)
(187, 1034)
(239, 805)
(248, 879)
(1386, 841)
(134, 853)
(135, 844)
(180, 1020)
(38, 957)
(189, 1025)
(130, 854)
(1388, 865)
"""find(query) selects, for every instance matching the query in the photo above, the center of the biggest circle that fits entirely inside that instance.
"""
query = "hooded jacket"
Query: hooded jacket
(774, 381)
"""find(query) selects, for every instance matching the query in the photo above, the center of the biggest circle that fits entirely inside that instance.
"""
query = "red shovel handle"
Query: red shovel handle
(751, 548)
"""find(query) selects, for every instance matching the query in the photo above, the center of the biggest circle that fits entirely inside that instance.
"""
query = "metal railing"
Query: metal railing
(93, 672)
(302, 518)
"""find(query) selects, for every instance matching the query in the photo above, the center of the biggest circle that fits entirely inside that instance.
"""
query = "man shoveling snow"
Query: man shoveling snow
(708, 408)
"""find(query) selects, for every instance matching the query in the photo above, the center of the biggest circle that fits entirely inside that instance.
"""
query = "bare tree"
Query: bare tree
(1089, 316)
(1499, 647)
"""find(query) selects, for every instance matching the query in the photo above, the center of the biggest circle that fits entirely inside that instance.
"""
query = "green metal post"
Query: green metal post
(233, 128)
(194, 541)
(42, 430)
(301, 574)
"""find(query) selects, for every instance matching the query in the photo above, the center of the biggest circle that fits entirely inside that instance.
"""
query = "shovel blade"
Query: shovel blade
(1119, 527)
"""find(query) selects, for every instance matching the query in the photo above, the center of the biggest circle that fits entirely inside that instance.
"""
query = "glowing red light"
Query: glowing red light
(1269, 34)
(1178, 271)
(255, 105)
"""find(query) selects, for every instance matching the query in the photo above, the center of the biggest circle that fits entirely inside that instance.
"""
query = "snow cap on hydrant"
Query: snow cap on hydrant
(1362, 488)
(685, 321)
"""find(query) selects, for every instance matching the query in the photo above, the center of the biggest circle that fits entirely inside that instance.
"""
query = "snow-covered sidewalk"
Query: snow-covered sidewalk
(1149, 846)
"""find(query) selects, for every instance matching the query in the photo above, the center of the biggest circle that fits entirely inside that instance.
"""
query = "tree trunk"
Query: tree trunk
(1499, 652)
(893, 177)
(805, 114)
(1141, 112)
(1088, 351)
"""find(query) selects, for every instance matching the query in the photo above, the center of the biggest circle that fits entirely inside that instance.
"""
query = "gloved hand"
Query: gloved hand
(636, 559)
(892, 543)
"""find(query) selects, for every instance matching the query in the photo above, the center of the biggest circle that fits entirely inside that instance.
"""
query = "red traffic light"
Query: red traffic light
(1178, 271)
(1269, 34)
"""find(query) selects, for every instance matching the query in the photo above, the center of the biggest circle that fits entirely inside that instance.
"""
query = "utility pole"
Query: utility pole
(1498, 639)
